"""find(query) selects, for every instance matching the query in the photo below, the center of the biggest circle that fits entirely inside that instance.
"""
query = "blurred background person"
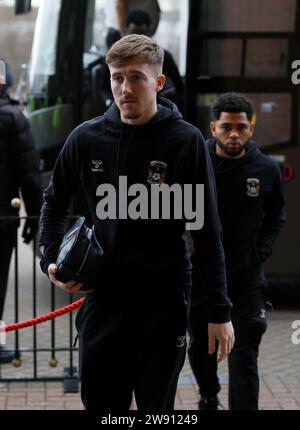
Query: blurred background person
(19, 164)
(116, 12)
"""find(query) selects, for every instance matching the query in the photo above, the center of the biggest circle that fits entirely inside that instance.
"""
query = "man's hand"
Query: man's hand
(70, 287)
(224, 334)
(30, 229)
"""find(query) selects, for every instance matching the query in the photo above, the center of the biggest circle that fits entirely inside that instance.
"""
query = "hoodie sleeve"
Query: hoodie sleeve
(209, 258)
(27, 163)
(63, 184)
(273, 218)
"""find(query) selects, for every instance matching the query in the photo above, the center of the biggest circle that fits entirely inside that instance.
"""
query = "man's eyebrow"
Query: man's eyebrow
(136, 71)
(132, 72)
(230, 123)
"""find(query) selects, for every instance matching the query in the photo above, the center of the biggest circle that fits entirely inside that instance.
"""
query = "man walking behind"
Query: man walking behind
(251, 209)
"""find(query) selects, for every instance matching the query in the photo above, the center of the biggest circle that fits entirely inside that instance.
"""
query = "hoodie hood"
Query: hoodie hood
(221, 163)
(166, 111)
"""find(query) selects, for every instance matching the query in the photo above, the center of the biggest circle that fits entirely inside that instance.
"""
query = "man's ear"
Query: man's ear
(212, 127)
(161, 79)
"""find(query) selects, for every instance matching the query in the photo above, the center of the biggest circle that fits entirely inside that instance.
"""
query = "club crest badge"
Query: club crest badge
(253, 187)
(180, 342)
(157, 172)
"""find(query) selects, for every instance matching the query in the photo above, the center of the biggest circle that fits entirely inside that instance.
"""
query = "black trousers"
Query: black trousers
(249, 322)
(7, 242)
(126, 348)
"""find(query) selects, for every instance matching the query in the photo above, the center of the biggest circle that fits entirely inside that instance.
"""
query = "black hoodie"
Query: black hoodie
(18, 163)
(251, 209)
(148, 248)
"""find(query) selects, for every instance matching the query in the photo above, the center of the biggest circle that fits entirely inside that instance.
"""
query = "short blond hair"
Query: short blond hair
(135, 47)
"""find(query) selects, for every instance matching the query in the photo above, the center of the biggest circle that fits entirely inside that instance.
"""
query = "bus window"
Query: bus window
(248, 15)
(266, 58)
(262, 58)
(274, 118)
(172, 30)
(99, 29)
(43, 57)
(221, 57)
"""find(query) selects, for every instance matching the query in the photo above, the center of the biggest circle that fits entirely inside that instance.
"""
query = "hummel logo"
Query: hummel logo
(96, 166)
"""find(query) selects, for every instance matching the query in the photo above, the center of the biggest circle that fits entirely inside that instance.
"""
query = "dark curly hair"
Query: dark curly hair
(138, 17)
(231, 102)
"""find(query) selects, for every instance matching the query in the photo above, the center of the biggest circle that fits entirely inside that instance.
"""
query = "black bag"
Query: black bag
(80, 255)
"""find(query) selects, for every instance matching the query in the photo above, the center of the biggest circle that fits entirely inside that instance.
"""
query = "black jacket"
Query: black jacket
(18, 163)
(251, 208)
(153, 248)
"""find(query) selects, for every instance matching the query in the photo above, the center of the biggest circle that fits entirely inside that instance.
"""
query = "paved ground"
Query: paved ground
(279, 357)
(279, 367)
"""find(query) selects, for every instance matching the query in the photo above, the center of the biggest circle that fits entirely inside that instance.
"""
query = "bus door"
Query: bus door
(55, 76)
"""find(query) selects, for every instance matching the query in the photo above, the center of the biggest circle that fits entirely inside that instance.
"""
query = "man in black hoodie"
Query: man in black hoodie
(251, 209)
(132, 325)
(19, 164)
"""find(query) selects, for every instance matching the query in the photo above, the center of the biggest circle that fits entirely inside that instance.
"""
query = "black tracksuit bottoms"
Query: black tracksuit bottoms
(7, 242)
(249, 322)
(126, 349)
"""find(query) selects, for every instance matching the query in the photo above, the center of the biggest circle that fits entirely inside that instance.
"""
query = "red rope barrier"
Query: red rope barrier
(43, 318)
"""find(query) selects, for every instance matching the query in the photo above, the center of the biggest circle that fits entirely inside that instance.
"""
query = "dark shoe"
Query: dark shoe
(6, 356)
(208, 403)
